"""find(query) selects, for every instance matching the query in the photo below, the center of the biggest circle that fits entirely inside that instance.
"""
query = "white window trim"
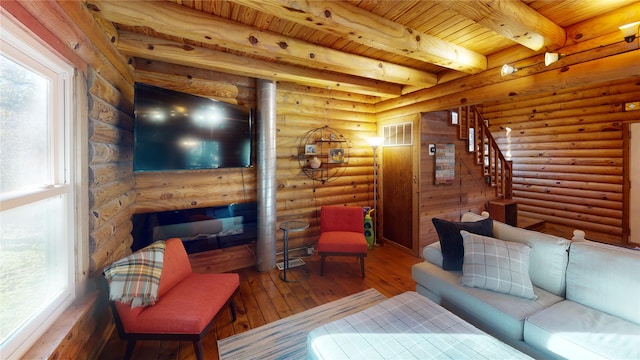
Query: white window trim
(75, 174)
(395, 140)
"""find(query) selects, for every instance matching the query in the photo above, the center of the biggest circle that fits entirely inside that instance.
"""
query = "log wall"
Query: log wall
(469, 192)
(111, 204)
(301, 109)
(177, 190)
(111, 181)
(567, 148)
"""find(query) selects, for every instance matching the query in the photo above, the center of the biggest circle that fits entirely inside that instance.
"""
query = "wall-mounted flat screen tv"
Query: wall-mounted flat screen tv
(179, 131)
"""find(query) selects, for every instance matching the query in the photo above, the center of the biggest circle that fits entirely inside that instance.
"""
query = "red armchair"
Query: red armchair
(342, 234)
(187, 306)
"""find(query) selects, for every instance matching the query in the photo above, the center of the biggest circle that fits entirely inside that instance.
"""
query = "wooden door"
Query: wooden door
(399, 198)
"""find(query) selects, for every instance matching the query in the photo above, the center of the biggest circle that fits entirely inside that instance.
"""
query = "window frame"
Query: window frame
(69, 147)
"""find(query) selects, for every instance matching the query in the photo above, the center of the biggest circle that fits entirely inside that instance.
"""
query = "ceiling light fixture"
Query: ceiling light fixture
(550, 58)
(629, 31)
(507, 70)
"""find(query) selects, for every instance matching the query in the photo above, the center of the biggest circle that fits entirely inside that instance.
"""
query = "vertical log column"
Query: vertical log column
(266, 175)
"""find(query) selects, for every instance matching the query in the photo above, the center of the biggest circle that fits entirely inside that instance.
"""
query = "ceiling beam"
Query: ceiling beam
(180, 21)
(363, 27)
(620, 63)
(514, 20)
(133, 44)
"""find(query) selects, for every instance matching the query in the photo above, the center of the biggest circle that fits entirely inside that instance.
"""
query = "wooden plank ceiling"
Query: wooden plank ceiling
(374, 47)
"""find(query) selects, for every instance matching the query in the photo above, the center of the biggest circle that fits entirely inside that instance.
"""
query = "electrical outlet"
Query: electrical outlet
(310, 250)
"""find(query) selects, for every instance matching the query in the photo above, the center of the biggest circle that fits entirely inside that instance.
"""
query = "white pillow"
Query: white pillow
(496, 265)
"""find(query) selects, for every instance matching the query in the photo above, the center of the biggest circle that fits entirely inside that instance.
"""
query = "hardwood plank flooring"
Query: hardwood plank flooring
(264, 297)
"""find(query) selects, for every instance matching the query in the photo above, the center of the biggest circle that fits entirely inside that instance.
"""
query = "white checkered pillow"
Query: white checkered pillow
(493, 264)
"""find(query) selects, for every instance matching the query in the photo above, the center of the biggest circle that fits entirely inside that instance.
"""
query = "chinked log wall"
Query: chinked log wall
(568, 153)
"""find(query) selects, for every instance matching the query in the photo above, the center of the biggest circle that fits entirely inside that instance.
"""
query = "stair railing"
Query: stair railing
(497, 170)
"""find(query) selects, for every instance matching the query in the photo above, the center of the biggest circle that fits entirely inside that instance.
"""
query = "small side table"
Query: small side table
(286, 227)
(505, 211)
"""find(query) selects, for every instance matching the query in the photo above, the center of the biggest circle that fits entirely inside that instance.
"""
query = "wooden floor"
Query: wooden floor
(264, 298)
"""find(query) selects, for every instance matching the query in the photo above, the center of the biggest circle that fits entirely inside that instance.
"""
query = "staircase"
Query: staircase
(497, 170)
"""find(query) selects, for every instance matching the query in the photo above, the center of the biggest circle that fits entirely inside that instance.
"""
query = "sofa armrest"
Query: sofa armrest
(433, 253)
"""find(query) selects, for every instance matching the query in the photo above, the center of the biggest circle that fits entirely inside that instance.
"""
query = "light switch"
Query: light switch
(632, 106)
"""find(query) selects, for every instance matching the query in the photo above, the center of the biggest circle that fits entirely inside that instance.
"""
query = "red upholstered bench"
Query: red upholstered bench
(187, 306)
(342, 233)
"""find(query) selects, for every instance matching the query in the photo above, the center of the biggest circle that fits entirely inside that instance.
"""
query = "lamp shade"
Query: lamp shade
(507, 70)
(375, 141)
(550, 58)
(629, 31)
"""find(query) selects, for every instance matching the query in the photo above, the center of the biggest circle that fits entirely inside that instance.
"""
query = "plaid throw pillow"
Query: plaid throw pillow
(496, 265)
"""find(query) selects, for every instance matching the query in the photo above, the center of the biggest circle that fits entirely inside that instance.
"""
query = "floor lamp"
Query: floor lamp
(375, 142)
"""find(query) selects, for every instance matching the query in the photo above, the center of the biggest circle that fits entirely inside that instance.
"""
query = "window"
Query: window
(38, 222)
(398, 134)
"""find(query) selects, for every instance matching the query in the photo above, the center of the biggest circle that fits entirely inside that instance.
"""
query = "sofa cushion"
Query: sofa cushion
(500, 314)
(548, 258)
(571, 330)
(496, 265)
(451, 240)
(605, 277)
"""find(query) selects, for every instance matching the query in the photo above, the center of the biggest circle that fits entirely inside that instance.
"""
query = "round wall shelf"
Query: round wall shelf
(329, 147)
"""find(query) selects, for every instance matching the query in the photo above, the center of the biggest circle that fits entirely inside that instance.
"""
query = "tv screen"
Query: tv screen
(180, 131)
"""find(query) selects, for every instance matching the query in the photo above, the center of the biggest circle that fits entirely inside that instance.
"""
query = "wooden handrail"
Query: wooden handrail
(496, 168)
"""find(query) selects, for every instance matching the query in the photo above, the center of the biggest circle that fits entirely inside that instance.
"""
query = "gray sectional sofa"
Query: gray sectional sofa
(586, 302)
